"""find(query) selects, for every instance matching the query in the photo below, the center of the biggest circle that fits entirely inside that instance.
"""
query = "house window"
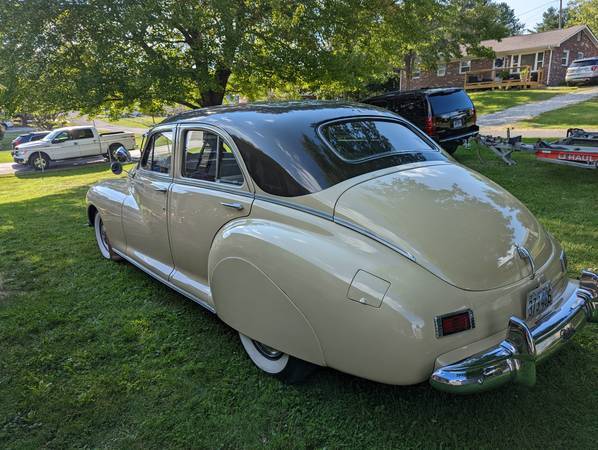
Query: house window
(464, 66)
(579, 55)
(441, 70)
(499, 63)
(579, 36)
(539, 61)
(515, 62)
(416, 72)
(565, 58)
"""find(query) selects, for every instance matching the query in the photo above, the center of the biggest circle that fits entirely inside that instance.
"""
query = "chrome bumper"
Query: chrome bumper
(515, 358)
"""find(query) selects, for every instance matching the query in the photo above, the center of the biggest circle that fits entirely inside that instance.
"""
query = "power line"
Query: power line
(536, 8)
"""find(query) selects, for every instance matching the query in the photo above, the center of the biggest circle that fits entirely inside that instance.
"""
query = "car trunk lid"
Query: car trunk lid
(457, 224)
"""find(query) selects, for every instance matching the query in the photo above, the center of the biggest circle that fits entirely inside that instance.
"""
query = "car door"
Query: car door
(210, 189)
(145, 210)
(85, 139)
(63, 146)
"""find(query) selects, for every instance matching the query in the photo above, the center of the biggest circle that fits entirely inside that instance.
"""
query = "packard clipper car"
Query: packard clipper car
(340, 235)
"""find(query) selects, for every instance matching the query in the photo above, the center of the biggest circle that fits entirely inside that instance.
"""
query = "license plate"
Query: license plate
(538, 300)
(457, 123)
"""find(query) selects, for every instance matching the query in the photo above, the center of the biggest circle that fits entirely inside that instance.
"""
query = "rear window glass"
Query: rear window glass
(443, 103)
(360, 140)
(589, 62)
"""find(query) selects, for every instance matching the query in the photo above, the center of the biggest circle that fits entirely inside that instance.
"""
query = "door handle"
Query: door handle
(236, 206)
(160, 188)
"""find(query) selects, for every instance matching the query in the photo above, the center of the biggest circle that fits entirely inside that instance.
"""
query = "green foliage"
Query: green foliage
(96, 354)
(550, 19)
(107, 55)
(584, 12)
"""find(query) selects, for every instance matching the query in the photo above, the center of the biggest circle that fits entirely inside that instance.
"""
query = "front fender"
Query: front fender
(107, 198)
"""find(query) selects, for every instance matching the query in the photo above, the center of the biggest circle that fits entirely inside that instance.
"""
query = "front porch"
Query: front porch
(522, 77)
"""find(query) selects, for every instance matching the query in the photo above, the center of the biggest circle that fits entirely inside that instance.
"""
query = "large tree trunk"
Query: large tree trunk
(409, 60)
(213, 97)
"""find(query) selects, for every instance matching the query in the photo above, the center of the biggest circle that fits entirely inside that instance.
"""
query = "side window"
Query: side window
(82, 133)
(157, 156)
(63, 136)
(207, 157)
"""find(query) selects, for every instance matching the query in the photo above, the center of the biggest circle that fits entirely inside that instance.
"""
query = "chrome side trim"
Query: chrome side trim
(197, 300)
(515, 358)
(296, 206)
(375, 237)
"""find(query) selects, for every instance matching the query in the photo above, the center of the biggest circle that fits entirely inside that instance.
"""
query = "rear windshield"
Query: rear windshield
(445, 102)
(361, 140)
(589, 62)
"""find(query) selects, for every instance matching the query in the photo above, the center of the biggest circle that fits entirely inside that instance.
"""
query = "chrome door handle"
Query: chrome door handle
(160, 188)
(236, 206)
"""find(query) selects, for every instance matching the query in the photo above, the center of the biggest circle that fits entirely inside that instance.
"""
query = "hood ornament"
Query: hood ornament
(524, 254)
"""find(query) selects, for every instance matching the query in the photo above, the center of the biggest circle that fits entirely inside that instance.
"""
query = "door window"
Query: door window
(207, 157)
(82, 133)
(63, 136)
(157, 156)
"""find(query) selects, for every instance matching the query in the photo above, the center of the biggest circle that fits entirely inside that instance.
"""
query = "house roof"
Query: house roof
(533, 41)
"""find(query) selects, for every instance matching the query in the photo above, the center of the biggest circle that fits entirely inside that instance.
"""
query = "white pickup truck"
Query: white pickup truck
(69, 143)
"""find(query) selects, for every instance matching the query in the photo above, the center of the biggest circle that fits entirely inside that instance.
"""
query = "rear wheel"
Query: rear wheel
(276, 363)
(39, 161)
(102, 238)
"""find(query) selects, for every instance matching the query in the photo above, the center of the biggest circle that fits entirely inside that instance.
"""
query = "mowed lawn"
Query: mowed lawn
(487, 102)
(5, 146)
(582, 115)
(96, 354)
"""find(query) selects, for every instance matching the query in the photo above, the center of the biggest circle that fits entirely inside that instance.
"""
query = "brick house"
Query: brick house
(546, 55)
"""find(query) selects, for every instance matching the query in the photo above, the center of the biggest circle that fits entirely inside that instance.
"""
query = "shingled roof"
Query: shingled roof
(536, 41)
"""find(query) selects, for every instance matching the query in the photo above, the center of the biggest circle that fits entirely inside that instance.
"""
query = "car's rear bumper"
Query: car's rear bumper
(459, 138)
(515, 358)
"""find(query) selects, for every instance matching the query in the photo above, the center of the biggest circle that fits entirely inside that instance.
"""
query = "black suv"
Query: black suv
(446, 114)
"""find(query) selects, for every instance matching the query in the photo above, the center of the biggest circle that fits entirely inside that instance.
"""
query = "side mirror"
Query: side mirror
(116, 168)
(122, 155)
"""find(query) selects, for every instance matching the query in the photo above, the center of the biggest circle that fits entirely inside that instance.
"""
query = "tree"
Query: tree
(506, 15)
(550, 19)
(584, 12)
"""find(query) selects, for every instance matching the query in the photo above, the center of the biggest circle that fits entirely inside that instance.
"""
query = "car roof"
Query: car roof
(423, 91)
(241, 120)
(589, 58)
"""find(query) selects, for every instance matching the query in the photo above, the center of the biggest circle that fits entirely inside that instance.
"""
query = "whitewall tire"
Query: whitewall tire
(102, 239)
(276, 363)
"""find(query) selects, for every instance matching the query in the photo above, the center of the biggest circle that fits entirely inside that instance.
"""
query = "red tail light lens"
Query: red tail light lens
(594, 68)
(454, 323)
(429, 127)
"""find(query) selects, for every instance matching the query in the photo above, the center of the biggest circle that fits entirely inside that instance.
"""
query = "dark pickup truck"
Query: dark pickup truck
(446, 114)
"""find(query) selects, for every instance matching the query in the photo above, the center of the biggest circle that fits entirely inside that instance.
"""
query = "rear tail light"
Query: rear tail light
(454, 323)
(429, 126)
(594, 68)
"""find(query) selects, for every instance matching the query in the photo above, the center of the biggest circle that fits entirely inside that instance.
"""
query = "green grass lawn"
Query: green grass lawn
(97, 354)
(137, 122)
(582, 115)
(487, 102)
(5, 146)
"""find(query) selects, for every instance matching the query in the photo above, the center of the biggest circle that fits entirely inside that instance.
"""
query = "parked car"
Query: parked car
(583, 71)
(340, 235)
(28, 137)
(69, 143)
(445, 114)
(2, 130)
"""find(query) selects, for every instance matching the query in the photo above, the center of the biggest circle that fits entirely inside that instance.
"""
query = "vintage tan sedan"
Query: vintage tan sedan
(340, 235)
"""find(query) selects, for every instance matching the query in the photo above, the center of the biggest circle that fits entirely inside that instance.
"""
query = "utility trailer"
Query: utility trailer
(579, 148)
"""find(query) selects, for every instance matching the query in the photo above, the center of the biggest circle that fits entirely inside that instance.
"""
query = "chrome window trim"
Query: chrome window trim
(434, 147)
(148, 138)
(198, 126)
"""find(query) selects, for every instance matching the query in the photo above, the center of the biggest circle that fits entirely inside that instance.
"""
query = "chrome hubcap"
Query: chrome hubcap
(267, 351)
(103, 234)
(40, 162)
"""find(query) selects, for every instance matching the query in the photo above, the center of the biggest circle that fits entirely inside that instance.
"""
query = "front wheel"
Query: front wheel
(102, 238)
(39, 161)
(276, 363)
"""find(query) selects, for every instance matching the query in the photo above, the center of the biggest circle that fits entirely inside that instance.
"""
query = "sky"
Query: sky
(530, 11)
